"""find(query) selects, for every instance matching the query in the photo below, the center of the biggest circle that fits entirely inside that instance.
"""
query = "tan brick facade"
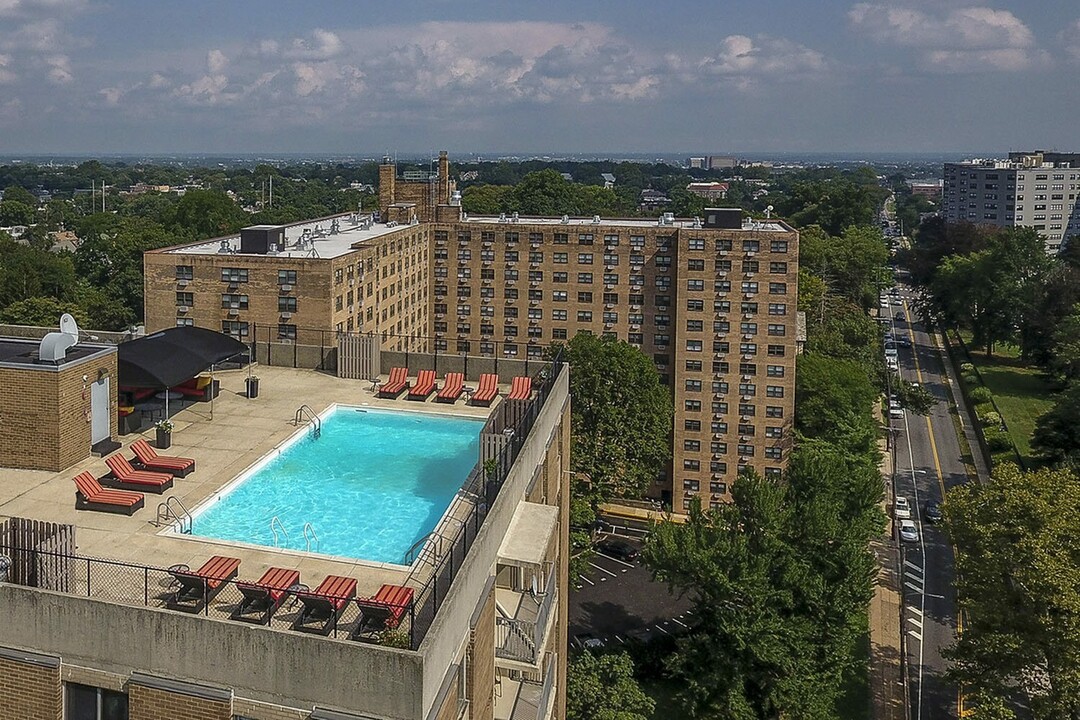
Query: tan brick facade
(479, 685)
(45, 411)
(30, 690)
(151, 703)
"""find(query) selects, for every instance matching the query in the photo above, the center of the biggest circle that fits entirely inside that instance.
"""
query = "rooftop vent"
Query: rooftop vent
(725, 218)
(455, 197)
(54, 346)
(502, 217)
(565, 219)
(595, 219)
(514, 217)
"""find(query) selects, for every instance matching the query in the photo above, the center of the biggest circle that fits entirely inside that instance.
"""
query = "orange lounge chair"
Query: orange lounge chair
(384, 611)
(395, 384)
(148, 458)
(324, 604)
(263, 597)
(486, 390)
(452, 388)
(124, 477)
(424, 385)
(91, 496)
(197, 589)
(520, 388)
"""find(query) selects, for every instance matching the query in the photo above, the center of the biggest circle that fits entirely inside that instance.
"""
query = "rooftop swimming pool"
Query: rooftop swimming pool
(373, 484)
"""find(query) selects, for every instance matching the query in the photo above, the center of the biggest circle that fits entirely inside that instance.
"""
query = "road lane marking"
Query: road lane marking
(915, 635)
(914, 587)
(913, 566)
(916, 622)
(915, 610)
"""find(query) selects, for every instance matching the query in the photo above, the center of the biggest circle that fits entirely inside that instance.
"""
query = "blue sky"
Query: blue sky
(475, 76)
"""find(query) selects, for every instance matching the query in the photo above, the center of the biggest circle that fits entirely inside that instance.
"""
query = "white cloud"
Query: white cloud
(216, 62)
(319, 45)
(965, 39)
(60, 69)
(1070, 37)
(6, 74)
(27, 7)
(748, 58)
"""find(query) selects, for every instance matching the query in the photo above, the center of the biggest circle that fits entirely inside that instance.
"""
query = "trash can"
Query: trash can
(252, 387)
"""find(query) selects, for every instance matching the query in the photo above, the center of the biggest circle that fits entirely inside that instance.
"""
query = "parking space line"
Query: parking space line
(661, 629)
(615, 559)
(603, 569)
(587, 580)
(915, 635)
(916, 623)
(913, 566)
(680, 622)
(913, 576)
(914, 587)
(916, 610)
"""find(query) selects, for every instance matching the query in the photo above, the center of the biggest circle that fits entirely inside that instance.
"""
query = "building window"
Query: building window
(584, 297)
(234, 328)
(286, 304)
(561, 258)
(560, 277)
(233, 301)
(185, 299)
(695, 244)
(286, 277)
(234, 275)
(558, 314)
(584, 278)
(286, 331)
(185, 322)
(561, 238)
(84, 702)
(584, 316)
(585, 258)
(185, 272)
(779, 246)
(585, 239)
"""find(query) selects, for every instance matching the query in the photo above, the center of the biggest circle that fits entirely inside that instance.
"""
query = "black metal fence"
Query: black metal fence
(317, 349)
(158, 587)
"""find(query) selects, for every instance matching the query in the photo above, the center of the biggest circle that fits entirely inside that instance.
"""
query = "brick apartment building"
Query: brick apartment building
(712, 301)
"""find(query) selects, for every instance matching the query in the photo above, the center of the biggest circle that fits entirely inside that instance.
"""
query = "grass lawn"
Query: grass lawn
(1020, 391)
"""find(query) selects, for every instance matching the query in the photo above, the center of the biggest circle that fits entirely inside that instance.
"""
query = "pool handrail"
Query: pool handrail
(275, 523)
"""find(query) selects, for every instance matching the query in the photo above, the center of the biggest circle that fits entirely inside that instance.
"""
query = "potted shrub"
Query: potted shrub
(252, 383)
(164, 433)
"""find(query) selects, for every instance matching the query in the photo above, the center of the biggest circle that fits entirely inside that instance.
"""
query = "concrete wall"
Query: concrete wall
(258, 663)
(443, 640)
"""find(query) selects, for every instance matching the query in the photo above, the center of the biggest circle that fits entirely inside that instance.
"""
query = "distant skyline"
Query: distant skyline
(484, 76)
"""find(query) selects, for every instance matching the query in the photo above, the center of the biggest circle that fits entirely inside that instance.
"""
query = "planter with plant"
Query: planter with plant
(164, 430)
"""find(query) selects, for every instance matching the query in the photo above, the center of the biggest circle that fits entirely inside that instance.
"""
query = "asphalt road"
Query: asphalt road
(928, 461)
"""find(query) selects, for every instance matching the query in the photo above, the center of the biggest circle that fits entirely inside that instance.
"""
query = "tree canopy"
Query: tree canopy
(1018, 584)
(603, 688)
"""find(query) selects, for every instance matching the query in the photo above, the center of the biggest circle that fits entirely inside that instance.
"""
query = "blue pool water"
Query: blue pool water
(373, 484)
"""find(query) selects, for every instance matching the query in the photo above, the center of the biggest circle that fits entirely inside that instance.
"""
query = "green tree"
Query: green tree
(542, 193)
(833, 400)
(1065, 358)
(603, 688)
(853, 264)
(1018, 583)
(207, 214)
(13, 212)
(1057, 432)
(620, 418)
(486, 199)
(17, 193)
(111, 258)
(41, 312)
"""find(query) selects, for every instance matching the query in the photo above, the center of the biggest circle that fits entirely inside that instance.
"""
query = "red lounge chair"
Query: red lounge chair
(124, 477)
(197, 589)
(452, 388)
(384, 611)
(486, 390)
(148, 458)
(324, 604)
(91, 496)
(424, 385)
(395, 384)
(520, 388)
(263, 597)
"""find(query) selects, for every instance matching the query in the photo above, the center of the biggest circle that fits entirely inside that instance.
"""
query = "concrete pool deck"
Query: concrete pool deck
(241, 432)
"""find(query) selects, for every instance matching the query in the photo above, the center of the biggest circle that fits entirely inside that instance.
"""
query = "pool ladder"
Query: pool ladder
(316, 421)
(309, 535)
(168, 514)
(275, 526)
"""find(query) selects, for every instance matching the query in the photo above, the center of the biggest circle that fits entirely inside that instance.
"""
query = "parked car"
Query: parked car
(896, 413)
(899, 316)
(903, 341)
(894, 404)
(908, 531)
(902, 508)
(618, 549)
(932, 513)
(588, 641)
(891, 352)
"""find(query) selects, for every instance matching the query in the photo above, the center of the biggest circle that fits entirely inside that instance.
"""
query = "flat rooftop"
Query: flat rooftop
(580, 223)
(309, 239)
(240, 433)
(19, 352)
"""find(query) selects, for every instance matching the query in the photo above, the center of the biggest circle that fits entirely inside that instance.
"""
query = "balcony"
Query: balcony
(525, 699)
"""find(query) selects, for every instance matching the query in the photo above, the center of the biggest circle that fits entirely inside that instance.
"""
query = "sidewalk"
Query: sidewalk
(982, 469)
(886, 650)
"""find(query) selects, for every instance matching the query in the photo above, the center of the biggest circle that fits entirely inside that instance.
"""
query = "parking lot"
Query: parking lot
(618, 601)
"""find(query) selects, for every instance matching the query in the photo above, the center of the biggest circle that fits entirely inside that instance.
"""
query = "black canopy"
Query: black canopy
(170, 357)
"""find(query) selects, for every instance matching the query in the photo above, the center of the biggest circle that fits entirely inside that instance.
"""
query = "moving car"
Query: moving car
(903, 341)
(908, 531)
(901, 508)
(618, 549)
(932, 513)
(899, 316)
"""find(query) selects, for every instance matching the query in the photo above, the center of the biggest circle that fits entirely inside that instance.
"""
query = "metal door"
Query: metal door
(100, 422)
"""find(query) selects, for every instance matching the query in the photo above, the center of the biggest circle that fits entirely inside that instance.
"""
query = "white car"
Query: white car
(901, 508)
(896, 413)
(894, 404)
(891, 352)
(908, 531)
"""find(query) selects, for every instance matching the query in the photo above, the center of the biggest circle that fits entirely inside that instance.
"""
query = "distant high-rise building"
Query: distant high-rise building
(1029, 189)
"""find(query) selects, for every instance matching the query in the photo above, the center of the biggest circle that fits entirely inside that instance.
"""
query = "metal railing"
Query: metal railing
(313, 418)
(167, 514)
(523, 639)
(547, 692)
(275, 526)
